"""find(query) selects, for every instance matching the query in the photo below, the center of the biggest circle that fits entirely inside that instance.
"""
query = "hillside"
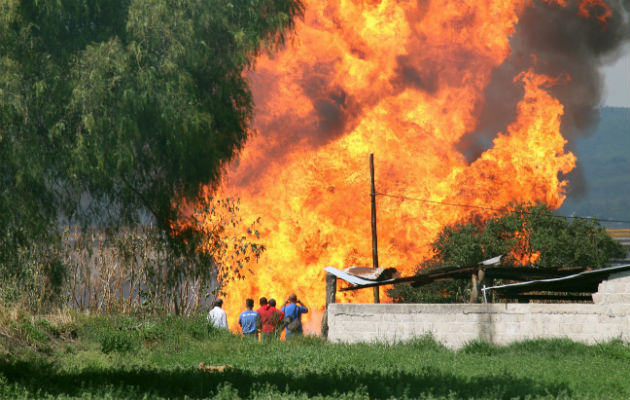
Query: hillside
(604, 158)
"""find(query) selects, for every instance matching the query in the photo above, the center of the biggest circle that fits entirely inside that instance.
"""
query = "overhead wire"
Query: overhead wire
(489, 208)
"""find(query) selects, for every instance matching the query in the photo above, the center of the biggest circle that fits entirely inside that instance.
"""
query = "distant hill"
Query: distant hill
(604, 159)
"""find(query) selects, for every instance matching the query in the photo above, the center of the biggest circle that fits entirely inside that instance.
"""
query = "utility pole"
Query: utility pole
(374, 241)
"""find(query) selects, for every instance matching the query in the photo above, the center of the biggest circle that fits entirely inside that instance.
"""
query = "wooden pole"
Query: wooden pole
(374, 241)
(331, 297)
(474, 292)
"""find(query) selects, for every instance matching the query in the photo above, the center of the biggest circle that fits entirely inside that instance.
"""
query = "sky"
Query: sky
(617, 81)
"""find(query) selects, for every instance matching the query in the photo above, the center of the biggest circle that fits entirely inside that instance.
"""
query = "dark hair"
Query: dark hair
(263, 301)
(292, 298)
(218, 303)
(249, 303)
(272, 302)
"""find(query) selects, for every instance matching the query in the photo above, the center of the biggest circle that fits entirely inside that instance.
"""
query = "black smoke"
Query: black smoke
(563, 43)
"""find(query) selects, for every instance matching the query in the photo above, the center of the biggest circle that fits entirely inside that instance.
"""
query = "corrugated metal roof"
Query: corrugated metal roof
(542, 284)
(354, 279)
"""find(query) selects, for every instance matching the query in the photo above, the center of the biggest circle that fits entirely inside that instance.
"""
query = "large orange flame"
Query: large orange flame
(403, 80)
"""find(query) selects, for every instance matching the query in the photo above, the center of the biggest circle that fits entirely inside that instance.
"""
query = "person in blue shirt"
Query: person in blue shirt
(293, 309)
(249, 320)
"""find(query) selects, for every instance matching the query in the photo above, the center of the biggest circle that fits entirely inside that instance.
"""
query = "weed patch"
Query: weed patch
(108, 360)
(119, 341)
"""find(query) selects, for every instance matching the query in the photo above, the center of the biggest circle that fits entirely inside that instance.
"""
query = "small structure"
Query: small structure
(454, 325)
(561, 284)
(586, 282)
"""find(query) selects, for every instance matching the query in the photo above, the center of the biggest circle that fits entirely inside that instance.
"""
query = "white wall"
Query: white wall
(454, 325)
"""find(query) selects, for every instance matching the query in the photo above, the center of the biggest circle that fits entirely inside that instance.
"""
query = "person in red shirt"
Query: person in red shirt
(263, 303)
(270, 318)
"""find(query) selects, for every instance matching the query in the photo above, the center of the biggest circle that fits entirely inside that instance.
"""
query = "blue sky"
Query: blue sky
(617, 81)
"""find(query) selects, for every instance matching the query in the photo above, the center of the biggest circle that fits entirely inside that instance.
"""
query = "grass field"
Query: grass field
(114, 357)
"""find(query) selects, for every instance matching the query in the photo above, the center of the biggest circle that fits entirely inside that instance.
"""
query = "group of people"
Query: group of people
(267, 320)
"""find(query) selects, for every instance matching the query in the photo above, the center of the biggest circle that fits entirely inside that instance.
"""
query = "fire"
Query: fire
(404, 80)
(605, 12)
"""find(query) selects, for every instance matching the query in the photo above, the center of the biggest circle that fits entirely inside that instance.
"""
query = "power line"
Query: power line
(489, 208)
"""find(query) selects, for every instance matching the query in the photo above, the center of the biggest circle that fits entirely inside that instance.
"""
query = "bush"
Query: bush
(119, 341)
(31, 333)
(49, 327)
(198, 326)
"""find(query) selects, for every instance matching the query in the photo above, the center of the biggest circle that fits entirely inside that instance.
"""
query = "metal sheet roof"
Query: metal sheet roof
(353, 279)
(592, 276)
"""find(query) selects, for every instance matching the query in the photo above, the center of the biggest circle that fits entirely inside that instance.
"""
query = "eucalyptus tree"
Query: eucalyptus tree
(113, 110)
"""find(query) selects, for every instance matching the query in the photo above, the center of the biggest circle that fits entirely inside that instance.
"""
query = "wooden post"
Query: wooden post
(474, 292)
(331, 297)
(374, 241)
(481, 279)
(478, 280)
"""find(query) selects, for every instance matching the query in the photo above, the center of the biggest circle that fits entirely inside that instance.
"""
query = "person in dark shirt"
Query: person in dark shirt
(249, 320)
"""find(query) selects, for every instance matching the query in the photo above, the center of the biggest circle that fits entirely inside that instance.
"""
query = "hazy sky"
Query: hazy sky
(617, 81)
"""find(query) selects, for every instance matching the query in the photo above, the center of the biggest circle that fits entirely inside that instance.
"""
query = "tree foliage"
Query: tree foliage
(113, 110)
(528, 234)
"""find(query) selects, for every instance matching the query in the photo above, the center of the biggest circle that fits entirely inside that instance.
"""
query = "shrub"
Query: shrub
(49, 327)
(198, 327)
(121, 341)
(31, 333)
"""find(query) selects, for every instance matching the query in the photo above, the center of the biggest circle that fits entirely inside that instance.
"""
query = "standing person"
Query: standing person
(249, 320)
(271, 319)
(293, 309)
(217, 316)
(277, 318)
(263, 303)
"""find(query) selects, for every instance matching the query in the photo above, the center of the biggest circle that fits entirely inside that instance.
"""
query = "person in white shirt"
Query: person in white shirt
(217, 316)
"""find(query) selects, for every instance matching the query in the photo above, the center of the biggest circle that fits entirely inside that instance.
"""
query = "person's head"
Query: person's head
(263, 301)
(249, 303)
(272, 302)
(292, 298)
(218, 303)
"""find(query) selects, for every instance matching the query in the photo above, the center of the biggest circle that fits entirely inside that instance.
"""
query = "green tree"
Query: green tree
(111, 111)
(528, 234)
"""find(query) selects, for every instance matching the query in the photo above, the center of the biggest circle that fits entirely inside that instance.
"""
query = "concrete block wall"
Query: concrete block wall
(454, 325)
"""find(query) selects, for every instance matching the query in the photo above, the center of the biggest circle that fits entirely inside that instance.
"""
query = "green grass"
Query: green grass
(123, 357)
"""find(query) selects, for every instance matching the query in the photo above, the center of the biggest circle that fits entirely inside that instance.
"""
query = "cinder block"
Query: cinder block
(464, 318)
(621, 286)
(592, 319)
(618, 298)
(551, 328)
(567, 329)
(617, 310)
(604, 287)
(590, 329)
(472, 328)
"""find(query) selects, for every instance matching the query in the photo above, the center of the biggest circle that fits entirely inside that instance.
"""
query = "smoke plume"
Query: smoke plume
(562, 42)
